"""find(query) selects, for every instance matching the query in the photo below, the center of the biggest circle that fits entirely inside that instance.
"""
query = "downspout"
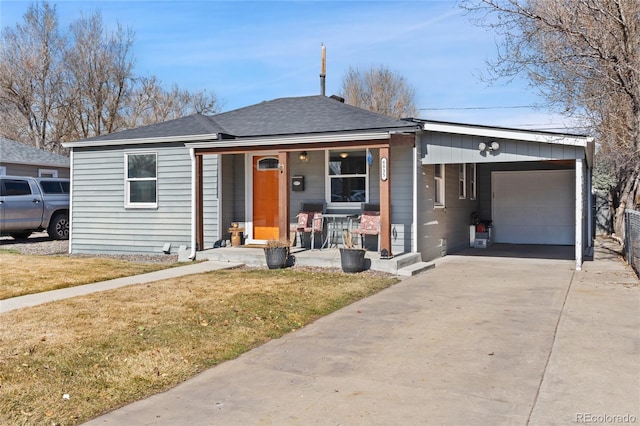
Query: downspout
(589, 192)
(194, 183)
(70, 221)
(579, 197)
(414, 224)
(219, 192)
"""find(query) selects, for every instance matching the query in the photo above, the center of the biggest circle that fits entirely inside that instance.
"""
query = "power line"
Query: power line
(477, 108)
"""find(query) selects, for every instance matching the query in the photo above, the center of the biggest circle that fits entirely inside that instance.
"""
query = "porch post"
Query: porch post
(385, 201)
(283, 196)
(199, 204)
(579, 206)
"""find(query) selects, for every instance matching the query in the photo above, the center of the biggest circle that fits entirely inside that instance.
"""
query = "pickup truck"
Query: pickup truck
(29, 204)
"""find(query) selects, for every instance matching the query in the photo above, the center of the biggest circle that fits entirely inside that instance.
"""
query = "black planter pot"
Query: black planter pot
(352, 260)
(276, 257)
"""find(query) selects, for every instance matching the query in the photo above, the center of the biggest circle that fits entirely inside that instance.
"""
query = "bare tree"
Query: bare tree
(149, 103)
(379, 90)
(99, 70)
(57, 87)
(31, 75)
(584, 56)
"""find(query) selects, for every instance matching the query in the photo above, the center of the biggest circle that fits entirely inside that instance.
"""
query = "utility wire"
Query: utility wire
(476, 108)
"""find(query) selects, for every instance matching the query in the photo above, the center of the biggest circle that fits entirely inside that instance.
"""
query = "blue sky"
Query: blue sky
(248, 52)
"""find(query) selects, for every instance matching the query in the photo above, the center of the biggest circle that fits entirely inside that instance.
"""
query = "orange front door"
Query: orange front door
(265, 198)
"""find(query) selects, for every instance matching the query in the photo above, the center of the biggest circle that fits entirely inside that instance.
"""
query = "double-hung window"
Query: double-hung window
(348, 176)
(141, 180)
(438, 175)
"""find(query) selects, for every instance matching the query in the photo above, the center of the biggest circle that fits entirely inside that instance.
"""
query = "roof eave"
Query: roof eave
(141, 141)
(249, 142)
(504, 133)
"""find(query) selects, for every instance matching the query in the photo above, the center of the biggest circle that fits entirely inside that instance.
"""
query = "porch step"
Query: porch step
(415, 269)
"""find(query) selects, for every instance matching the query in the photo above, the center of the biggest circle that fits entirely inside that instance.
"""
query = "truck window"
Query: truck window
(51, 187)
(15, 187)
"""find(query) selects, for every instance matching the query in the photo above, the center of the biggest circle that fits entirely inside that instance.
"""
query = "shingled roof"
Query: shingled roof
(19, 153)
(278, 117)
(301, 115)
(191, 125)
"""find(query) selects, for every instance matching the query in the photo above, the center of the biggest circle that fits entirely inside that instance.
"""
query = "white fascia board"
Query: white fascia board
(290, 140)
(522, 135)
(162, 139)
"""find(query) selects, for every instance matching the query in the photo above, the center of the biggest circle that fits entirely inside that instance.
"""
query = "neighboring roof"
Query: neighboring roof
(279, 117)
(506, 133)
(20, 153)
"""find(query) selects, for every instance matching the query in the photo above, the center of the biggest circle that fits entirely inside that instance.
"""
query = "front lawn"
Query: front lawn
(23, 274)
(68, 361)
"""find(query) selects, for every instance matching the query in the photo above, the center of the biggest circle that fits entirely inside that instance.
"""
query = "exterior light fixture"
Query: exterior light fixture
(493, 146)
(303, 157)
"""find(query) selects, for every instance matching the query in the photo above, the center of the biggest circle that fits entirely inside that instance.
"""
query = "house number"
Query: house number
(383, 168)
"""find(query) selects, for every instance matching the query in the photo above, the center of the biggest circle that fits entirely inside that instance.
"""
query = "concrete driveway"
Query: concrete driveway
(476, 340)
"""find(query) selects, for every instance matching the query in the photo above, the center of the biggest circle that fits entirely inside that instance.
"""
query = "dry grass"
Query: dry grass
(22, 275)
(108, 349)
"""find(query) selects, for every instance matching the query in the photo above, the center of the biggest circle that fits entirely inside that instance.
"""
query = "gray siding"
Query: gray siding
(314, 181)
(446, 148)
(210, 200)
(445, 229)
(401, 175)
(101, 224)
(233, 185)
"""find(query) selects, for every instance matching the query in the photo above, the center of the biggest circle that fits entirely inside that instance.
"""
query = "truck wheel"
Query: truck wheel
(59, 227)
(20, 235)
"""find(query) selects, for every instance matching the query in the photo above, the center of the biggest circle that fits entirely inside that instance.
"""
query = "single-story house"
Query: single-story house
(183, 182)
(19, 159)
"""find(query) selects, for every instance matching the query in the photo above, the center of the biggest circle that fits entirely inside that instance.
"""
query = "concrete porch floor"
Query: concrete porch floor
(406, 264)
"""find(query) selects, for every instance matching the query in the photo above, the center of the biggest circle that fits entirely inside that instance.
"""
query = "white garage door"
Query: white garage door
(534, 207)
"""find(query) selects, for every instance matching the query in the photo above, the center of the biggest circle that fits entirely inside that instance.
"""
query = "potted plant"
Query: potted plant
(276, 253)
(351, 258)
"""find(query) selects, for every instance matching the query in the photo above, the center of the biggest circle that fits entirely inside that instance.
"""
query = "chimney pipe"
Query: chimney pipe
(323, 70)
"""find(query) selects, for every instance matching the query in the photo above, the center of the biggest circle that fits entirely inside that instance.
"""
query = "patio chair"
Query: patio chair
(369, 224)
(309, 221)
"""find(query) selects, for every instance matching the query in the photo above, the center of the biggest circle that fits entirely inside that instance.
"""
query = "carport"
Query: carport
(533, 187)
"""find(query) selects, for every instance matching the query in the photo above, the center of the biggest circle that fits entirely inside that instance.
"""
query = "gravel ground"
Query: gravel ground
(40, 244)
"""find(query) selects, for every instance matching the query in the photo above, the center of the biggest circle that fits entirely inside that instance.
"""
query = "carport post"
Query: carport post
(579, 212)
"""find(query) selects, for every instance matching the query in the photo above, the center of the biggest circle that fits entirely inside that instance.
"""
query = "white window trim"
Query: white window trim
(127, 203)
(473, 181)
(440, 186)
(52, 172)
(328, 177)
(462, 181)
(3, 170)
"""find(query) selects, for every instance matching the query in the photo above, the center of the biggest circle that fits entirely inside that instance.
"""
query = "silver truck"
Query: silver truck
(30, 204)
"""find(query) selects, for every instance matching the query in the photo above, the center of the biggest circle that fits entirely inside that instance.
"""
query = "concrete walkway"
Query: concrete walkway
(477, 340)
(7, 305)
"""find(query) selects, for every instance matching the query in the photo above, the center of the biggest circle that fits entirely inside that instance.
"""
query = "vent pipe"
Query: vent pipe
(323, 70)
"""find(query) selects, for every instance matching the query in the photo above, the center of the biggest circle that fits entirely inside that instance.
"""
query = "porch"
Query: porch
(406, 264)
